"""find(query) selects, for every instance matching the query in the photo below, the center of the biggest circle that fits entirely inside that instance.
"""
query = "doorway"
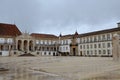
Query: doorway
(74, 52)
(81, 53)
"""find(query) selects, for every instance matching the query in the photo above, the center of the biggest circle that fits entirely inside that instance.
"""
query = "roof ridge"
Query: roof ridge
(7, 24)
(43, 34)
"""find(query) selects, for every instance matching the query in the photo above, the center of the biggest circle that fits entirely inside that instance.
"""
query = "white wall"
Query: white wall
(5, 53)
(64, 48)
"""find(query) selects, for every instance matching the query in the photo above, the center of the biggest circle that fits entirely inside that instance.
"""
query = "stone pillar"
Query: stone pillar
(16, 44)
(33, 45)
(28, 46)
(22, 45)
(9, 47)
(116, 52)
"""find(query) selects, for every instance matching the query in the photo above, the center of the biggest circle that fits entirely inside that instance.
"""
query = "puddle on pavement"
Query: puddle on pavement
(22, 74)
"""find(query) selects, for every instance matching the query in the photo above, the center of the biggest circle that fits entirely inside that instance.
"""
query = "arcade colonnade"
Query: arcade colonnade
(25, 45)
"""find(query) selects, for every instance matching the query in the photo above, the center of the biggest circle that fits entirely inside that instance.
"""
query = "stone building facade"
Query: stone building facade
(15, 43)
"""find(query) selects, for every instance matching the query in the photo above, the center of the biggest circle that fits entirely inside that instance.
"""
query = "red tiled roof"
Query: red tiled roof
(100, 32)
(92, 33)
(67, 36)
(9, 30)
(37, 35)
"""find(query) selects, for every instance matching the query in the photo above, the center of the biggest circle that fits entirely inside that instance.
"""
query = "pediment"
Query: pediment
(25, 36)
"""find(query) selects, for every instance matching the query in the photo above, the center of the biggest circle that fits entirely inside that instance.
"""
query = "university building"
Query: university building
(15, 43)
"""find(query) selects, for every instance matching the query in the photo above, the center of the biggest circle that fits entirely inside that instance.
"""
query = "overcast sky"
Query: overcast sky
(60, 16)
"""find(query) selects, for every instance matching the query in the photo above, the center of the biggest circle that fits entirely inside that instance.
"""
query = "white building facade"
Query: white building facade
(15, 43)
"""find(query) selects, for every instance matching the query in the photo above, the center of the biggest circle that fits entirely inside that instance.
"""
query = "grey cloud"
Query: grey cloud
(65, 16)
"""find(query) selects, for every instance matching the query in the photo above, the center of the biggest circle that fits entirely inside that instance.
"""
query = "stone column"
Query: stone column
(115, 43)
(22, 45)
(28, 46)
(16, 44)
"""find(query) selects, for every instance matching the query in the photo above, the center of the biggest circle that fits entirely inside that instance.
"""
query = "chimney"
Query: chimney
(118, 24)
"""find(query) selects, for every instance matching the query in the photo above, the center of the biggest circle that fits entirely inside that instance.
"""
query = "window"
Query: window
(84, 52)
(88, 52)
(45, 42)
(84, 46)
(108, 52)
(95, 46)
(90, 39)
(108, 45)
(87, 46)
(99, 38)
(39, 48)
(2, 40)
(15, 53)
(60, 49)
(80, 40)
(41, 41)
(103, 37)
(87, 39)
(91, 46)
(0, 53)
(10, 40)
(7, 48)
(67, 41)
(51, 48)
(99, 51)
(47, 48)
(80, 46)
(83, 40)
(108, 37)
(37, 53)
(104, 51)
(66, 48)
(103, 45)
(50, 42)
(91, 52)
(42, 48)
(1, 48)
(44, 53)
(95, 38)
(95, 52)
(54, 48)
(99, 45)
(49, 53)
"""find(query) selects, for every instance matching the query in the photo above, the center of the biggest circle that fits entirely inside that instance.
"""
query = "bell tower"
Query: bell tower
(74, 45)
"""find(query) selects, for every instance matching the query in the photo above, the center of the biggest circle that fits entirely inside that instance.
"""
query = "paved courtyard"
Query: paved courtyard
(60, 68)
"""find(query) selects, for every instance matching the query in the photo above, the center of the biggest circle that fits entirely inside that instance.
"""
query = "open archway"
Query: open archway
(19, 45)
(31, 45)
(25, 45)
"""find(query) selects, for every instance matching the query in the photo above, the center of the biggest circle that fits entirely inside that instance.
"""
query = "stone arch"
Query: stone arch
(25, 45)
(19, 44)
(30, 45)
